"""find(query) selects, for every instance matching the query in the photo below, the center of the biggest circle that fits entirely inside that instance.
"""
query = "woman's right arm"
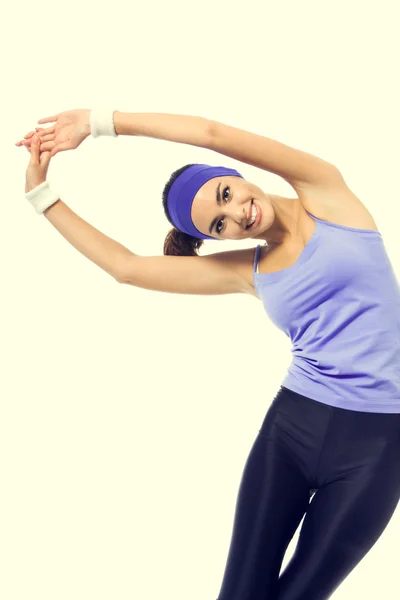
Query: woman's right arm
(220, 273)
(106, 253)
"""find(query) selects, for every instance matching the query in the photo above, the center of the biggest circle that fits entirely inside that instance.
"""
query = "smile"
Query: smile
(256, 211)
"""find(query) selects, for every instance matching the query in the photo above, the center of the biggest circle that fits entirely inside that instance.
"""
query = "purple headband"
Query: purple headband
(183, 191)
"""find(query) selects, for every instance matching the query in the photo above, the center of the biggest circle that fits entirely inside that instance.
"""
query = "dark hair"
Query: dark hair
(177, 242)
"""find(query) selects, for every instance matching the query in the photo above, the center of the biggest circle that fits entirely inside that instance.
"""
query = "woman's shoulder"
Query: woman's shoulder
(242, 262)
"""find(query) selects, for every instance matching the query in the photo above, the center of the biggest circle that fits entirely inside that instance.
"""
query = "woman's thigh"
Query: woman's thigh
(358, 491)
(351, 458)
(273, 498)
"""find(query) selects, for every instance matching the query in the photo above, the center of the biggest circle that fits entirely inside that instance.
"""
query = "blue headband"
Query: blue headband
(183, 191)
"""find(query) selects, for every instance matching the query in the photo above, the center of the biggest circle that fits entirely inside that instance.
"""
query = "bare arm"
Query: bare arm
(105, 252)
(220, 273)
(72, 127)
(195, 131)
(300, 169)
(303, 171)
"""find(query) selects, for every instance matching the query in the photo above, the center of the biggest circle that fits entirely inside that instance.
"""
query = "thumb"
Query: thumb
(35, 146)
(45, 159)
(61, 148)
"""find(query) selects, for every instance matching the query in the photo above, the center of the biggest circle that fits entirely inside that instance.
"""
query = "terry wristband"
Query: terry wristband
(102, 122)
(41, 197)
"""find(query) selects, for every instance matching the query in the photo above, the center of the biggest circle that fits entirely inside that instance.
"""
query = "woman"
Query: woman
(325, 279)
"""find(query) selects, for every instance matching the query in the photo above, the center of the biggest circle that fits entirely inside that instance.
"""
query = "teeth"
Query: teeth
(253, 215)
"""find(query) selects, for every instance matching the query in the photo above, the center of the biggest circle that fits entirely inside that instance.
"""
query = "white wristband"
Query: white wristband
(102, 122)
(41, 197)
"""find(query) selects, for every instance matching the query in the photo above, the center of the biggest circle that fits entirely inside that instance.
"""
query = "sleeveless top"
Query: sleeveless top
(340, 306)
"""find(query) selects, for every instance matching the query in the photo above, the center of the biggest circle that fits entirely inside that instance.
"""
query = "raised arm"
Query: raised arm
(195, 131)
(300, 169)
(72, 127)
(221, 273)
(106, 253)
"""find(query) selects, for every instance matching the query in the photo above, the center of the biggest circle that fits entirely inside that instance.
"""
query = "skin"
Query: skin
(280, 218)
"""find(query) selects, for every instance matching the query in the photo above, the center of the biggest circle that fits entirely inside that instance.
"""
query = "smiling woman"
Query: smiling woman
(331, 290)
(226, 206)
(302, 170)
(211, 203)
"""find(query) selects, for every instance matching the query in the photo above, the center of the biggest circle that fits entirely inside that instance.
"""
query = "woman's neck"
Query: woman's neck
(286, 223)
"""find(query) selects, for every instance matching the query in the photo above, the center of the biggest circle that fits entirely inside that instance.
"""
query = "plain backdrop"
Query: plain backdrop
(127, 415)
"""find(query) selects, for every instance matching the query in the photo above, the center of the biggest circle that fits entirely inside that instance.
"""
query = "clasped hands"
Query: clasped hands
(70, 129)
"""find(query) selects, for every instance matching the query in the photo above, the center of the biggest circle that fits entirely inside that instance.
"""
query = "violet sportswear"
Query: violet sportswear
(340, 306)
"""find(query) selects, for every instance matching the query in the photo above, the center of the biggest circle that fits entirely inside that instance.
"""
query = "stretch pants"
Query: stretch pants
(350, 459)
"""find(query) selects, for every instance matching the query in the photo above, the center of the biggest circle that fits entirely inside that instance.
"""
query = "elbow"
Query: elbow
(211, 132)
(121, 278)
(123, 269)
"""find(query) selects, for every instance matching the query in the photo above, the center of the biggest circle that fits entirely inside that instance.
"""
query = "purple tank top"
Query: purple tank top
(340, 306)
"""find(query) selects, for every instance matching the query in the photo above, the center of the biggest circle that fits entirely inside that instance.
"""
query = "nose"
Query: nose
(238, 209)
(239, 213)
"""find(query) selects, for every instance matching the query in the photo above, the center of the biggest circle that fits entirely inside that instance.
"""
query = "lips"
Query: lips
(257, 219)
(250, 212)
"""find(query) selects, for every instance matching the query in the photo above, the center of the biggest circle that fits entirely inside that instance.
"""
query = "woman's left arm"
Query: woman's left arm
(72, 127)
(300, 169)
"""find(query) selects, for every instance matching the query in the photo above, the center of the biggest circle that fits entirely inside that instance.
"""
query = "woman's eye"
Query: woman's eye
(219, 229)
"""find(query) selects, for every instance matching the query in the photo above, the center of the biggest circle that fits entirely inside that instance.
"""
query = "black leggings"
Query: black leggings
(350, 459)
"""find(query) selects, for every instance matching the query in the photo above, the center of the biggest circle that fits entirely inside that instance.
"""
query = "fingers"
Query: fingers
(28, 136)
(32, 146)
(47, 146)
(27, 139)
(40, 131)
(44, 134)
(45, 130)
(35, 150)
(46, 138)
(44, 147)
(48, 119)
(39, 160)
(25, 143)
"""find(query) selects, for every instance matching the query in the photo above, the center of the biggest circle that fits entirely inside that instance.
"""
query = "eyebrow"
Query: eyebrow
(218, 200)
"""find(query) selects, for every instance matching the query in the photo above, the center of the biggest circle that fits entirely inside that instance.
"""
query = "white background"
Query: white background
(127, 415)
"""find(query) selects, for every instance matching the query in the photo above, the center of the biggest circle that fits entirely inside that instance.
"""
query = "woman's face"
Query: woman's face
(223, 207)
